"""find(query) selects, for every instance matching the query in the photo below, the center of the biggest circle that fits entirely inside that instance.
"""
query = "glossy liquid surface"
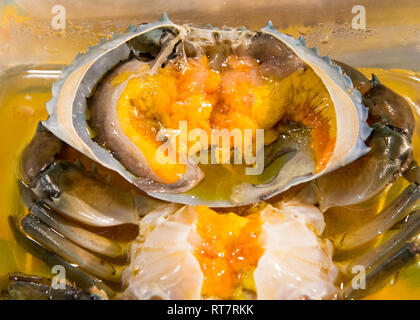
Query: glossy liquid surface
(23, 94)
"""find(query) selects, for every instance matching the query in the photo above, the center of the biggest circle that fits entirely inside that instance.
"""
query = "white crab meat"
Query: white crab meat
(163, 265)
(295, 262)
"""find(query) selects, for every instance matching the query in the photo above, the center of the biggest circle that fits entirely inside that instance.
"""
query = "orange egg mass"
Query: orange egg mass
(229, 251)
(235, 97)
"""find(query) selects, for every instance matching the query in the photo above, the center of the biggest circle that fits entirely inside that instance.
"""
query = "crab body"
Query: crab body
(325, 126)
(225, 73)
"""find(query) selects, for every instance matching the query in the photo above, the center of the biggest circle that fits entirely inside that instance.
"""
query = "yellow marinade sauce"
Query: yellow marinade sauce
(407, 84)
(21, 109)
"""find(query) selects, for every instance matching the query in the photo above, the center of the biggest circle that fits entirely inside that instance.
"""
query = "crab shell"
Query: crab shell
(68, 111)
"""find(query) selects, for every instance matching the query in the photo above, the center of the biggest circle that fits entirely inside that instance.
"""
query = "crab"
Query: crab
(341, 136)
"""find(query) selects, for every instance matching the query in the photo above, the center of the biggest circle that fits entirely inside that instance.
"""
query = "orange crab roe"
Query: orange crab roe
(235, 97)
(229, 251)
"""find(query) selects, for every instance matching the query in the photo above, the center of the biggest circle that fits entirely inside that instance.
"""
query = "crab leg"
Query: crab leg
(392, 120)
(412, 174)
(69, 229)
(73, 272)
(77, 234)
(39, 154)
(83, 197)
(53, 241)
(64, 199)
(25, 287)
(410, 229)
(75, 192)
(388, 258)
(393, 213)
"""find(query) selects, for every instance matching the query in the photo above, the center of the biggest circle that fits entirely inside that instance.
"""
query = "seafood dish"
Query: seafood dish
(178, 161)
